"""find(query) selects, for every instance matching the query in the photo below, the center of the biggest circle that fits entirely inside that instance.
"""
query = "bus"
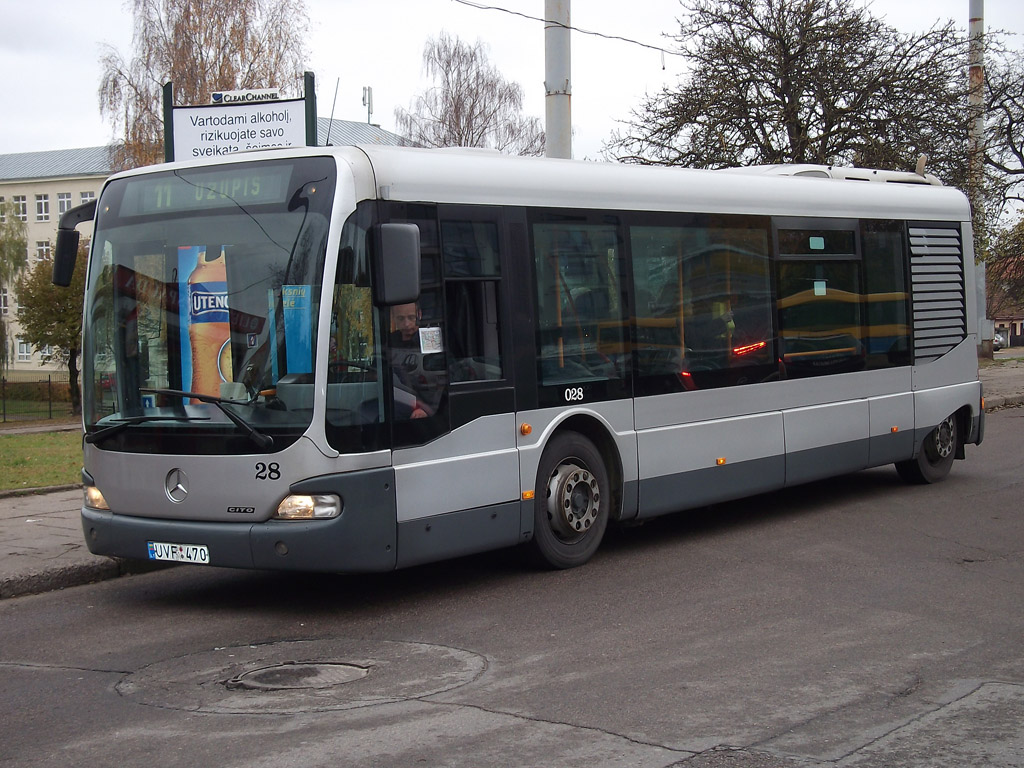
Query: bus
(363, 358)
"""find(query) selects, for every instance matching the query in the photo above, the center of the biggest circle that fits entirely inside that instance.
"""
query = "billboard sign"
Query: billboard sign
(222, 130)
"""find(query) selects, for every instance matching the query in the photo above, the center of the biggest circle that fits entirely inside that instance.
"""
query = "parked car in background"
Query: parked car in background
(998, 341)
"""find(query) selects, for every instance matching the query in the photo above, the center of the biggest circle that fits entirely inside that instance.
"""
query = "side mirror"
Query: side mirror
(66, 252)
(398, 264)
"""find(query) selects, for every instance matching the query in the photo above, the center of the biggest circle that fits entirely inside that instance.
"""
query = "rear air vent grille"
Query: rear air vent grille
(937, 280)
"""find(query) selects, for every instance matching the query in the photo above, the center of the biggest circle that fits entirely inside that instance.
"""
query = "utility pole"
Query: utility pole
(976, 153)
(557, 86)
(976, 97)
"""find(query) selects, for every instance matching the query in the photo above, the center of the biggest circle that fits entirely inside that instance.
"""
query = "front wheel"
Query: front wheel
(572, 504)
(936, 457)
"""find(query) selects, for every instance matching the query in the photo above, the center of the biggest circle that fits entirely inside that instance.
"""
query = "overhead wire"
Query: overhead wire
(482, 7)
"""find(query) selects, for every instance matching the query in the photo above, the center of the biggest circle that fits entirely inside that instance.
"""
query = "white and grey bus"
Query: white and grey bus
(364, 358)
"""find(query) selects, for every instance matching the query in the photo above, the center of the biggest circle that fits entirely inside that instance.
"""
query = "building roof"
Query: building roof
(95, 161)
(345, 132)
(56, 163)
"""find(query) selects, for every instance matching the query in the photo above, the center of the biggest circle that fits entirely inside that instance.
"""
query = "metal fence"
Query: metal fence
(31, 395)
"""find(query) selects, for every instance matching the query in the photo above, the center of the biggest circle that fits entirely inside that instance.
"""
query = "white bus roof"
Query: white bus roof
(487, 177)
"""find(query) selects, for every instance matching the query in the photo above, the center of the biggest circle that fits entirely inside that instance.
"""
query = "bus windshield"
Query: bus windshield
(203, 296)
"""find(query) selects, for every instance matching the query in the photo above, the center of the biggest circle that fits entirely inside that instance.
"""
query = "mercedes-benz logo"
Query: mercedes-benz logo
(176, 485)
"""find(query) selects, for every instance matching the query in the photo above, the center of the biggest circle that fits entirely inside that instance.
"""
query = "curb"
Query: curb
(995, 403)
(13, 492)
(58, 578)
(75, 575)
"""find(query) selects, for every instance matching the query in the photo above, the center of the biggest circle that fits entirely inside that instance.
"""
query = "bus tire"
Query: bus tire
(935, 459)
(572, 504)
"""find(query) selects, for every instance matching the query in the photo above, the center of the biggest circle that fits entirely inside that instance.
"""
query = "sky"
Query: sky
(50, 51)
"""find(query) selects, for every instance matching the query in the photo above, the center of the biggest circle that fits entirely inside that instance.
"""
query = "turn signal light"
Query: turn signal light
(318, 507)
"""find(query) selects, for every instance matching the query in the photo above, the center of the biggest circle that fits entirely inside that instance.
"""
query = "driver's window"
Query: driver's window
(415, 340)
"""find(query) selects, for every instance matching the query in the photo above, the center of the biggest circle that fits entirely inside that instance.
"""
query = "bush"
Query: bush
(36, 389)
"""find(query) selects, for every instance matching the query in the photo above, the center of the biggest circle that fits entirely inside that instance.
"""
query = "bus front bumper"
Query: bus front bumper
(360, 540)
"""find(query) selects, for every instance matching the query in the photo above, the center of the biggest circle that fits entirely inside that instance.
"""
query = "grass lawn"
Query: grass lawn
(40, 459)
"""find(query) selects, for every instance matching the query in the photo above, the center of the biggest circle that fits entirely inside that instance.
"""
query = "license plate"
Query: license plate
(179, 553)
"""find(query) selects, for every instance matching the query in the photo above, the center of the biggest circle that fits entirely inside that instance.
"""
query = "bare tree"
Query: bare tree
(201, 46)
(1004, 158)
(1004, 76)
(1004, 272)
(470, 105)
(815, 81)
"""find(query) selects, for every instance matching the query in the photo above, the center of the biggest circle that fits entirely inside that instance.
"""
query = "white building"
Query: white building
(38, 187)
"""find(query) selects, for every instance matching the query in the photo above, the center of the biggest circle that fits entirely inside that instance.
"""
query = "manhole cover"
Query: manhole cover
(301, 676)
(293, 676)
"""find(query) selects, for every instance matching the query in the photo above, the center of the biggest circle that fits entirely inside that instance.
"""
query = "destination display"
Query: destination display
(250, 184)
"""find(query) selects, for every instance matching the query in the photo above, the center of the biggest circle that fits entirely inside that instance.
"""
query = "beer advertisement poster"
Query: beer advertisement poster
(204, 318)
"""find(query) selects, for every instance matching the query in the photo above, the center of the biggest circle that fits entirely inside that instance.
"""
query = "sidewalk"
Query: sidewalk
(42, 546)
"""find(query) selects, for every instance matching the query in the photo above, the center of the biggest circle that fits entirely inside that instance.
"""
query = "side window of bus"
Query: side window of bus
(472, 273)
(581, 328)
(886, 298)
(820, 302)
(415, 340)
(703, 304)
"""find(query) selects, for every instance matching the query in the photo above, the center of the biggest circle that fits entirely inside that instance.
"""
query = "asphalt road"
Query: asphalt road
(856, 622)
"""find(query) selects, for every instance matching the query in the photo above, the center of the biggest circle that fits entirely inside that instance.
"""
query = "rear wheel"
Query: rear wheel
(572, 502)
(936, 457)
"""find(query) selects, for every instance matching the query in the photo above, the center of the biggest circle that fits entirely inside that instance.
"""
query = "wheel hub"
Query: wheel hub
(574, 500)
(944, 440)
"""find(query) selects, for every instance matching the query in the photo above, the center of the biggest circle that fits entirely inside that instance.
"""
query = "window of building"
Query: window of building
(87, 196)
(42, 250)
(42, 207)
(3, 209)
(24, 351)
(20, 207)
(63, 202)
(3, 301)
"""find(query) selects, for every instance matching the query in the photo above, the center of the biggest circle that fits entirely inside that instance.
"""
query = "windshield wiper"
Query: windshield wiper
(123, 424)
(262, 440)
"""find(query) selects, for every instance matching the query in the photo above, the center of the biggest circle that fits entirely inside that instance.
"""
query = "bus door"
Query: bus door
(455, 457)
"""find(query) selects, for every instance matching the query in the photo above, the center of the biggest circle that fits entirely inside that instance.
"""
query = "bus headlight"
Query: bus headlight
(320, 507)
(94, 498)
